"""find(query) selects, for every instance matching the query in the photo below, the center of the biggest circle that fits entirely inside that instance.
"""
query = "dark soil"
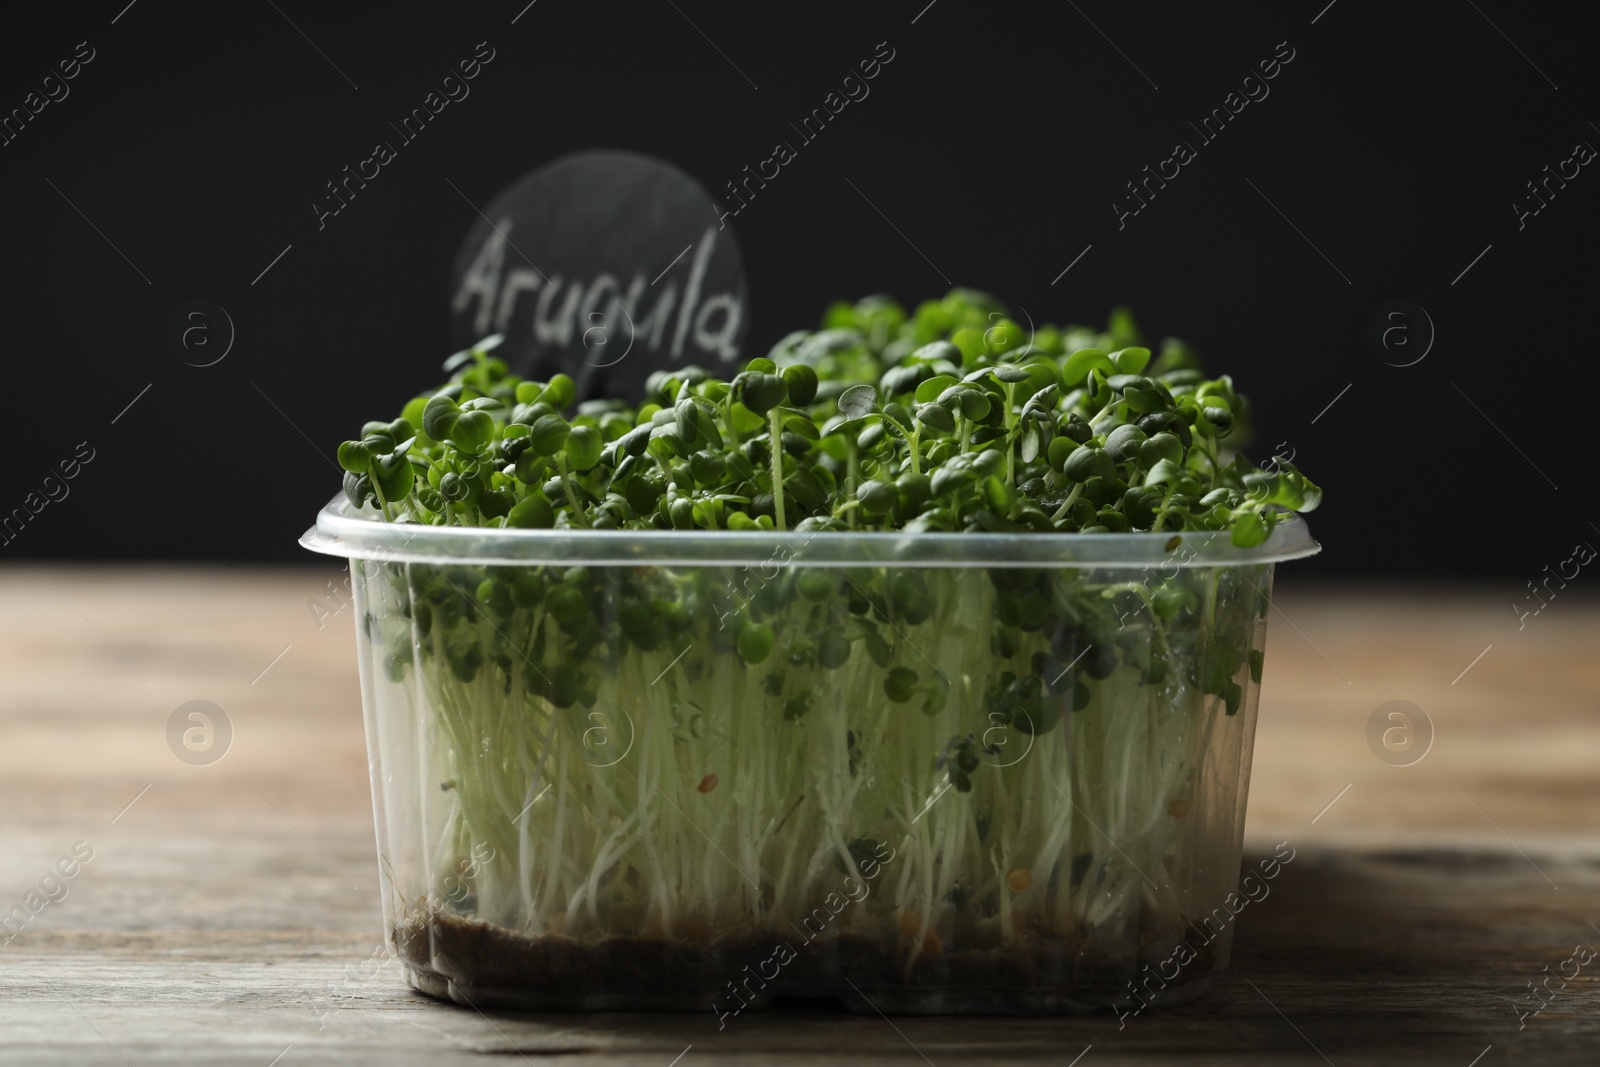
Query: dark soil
(481, 964)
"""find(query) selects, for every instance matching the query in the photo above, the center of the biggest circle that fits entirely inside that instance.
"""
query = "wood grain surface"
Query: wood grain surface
(229, 914)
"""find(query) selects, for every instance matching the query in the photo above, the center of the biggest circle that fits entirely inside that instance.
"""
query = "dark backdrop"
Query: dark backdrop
(1385, 160)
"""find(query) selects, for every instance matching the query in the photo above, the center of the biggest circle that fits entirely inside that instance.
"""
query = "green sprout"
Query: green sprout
(881, 422)
(995, 728)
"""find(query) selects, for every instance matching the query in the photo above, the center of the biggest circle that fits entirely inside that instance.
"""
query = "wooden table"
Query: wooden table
(229, 912)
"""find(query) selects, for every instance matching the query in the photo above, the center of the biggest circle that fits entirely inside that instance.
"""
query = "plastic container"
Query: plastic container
(912, 773)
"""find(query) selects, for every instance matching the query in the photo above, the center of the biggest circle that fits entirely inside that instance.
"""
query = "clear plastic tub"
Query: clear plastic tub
(922, 773)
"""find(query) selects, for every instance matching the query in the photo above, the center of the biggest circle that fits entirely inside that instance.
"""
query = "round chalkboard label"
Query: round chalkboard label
(606, 265)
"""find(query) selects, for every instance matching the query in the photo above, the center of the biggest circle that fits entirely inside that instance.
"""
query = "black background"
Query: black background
(199, 137)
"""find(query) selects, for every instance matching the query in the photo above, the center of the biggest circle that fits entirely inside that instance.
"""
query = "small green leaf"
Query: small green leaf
(876, 497)
(532, 513)
(833, 650)
(560, 392)
(932, 389)
(937, 417)
(800, 423)
(760, 392)
(876, 647)
(394, 475)
(802, 383)
(439, 417)
(472, 432)
(1130, 360)
(975, 404)
(1161, 446)
(1078, 365)
(857, 401)
(1010, 373)
(1249, 529)
(549, 435)
(755, 643)
(354, 456)
(1029, 445)
(1001, 497)
(1087, 462)
(937, 352)
(744, 420)
(1060, 449)
(1164, 472)
(900, 685)
(1122, 444)
(583, 447)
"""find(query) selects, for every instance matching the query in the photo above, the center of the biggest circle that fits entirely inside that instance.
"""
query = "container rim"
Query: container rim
(341, 530)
